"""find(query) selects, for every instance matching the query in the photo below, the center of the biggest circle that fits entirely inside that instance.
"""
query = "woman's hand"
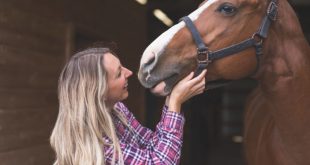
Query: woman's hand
(185, 89)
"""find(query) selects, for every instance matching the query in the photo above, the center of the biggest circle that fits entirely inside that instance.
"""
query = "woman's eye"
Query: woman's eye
(227, 9)
(119, 74)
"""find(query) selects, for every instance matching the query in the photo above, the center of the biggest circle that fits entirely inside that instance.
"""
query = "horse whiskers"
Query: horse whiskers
(148, 75)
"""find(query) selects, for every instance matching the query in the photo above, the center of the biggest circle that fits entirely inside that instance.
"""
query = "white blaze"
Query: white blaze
(160, 42)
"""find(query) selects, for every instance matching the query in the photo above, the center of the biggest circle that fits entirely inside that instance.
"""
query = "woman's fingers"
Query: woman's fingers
(199, 81)
(199, 78)
(189, 87)
(198, 90)
(186, 88)
(188, 77)
(202, 75)
(200, 86)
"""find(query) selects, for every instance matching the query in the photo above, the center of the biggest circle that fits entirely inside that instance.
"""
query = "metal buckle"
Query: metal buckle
(203, 56)
(272, 11)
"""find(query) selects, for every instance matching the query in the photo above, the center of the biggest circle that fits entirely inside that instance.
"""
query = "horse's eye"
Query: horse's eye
(227, 9)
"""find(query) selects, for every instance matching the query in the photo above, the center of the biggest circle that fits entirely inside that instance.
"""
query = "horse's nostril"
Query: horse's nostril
(150, 64)
(150, 61)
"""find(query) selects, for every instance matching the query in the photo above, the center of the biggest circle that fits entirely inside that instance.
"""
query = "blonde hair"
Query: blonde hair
(84, 118)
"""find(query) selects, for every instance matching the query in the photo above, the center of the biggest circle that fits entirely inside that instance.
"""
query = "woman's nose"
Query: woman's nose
(128, 72)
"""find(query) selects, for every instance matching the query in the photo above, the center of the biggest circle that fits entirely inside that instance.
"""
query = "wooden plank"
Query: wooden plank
(32, 56)
(14, 120)
(27, 98)
(32, 49)
(33, 80)
(26, 40)
(34, 24)
(12, 58)
(35, 155)
(37, 70)
(22, 129)
(24, 139)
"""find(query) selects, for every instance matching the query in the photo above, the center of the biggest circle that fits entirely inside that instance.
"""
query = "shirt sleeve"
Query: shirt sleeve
(163, 146)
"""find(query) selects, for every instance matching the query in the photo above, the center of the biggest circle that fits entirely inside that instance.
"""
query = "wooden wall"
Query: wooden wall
(36, 38)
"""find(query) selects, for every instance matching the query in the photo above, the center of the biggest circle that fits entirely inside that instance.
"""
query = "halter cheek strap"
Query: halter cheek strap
(205, 56)
(202, 49)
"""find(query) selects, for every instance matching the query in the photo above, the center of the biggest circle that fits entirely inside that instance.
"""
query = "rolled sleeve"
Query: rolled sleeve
(163, 146)
(173, 121)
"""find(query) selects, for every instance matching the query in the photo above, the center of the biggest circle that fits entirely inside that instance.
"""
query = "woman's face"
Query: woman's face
(117, 79)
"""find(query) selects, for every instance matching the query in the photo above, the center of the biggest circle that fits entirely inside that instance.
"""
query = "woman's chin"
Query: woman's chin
(125, 95)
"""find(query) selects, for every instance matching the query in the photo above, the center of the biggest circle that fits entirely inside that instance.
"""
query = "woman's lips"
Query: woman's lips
(126, 86)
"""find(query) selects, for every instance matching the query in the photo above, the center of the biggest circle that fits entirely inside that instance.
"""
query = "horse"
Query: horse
(234, 39)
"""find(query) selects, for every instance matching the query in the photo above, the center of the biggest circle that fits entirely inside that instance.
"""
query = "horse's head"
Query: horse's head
(220, 23)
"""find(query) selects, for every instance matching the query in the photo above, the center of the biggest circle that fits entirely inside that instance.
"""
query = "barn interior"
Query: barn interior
(37, 37)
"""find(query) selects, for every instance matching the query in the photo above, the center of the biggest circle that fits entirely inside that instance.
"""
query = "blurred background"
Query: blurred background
(38, 36)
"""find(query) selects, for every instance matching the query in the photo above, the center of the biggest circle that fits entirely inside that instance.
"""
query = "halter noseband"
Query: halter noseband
(205, 56)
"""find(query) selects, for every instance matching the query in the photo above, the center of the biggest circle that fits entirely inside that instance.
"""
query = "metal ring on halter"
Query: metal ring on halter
(257, 38)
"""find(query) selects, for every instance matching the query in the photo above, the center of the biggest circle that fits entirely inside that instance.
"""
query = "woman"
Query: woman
(93, 126)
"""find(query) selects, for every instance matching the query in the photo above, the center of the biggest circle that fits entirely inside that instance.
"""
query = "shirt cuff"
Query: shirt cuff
(163, 113)
(172, 121)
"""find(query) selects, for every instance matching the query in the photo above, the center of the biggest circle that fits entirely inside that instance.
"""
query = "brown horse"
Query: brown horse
(278, 111)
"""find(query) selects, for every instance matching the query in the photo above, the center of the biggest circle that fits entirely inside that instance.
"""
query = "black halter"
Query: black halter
(205, 56)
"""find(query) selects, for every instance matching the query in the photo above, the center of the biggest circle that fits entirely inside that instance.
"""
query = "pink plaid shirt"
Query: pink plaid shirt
(143, 146)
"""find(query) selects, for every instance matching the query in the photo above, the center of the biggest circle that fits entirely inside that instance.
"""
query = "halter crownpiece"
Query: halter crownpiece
(205, 56)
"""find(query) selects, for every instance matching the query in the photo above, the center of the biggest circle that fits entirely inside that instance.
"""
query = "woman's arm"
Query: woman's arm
(164, 145)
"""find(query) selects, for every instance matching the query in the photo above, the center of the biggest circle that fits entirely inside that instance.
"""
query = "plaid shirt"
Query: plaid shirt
(142, 145)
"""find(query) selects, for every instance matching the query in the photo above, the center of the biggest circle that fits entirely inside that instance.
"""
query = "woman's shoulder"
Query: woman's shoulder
(120, 106)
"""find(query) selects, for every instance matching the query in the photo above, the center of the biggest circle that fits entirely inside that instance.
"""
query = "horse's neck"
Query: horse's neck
(283, 92)
(284, 72)
(286, 52)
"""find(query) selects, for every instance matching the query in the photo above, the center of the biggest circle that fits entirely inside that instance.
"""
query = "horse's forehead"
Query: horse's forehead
(162, 41)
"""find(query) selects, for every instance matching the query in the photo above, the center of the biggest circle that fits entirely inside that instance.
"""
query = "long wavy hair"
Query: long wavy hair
(84, 118)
